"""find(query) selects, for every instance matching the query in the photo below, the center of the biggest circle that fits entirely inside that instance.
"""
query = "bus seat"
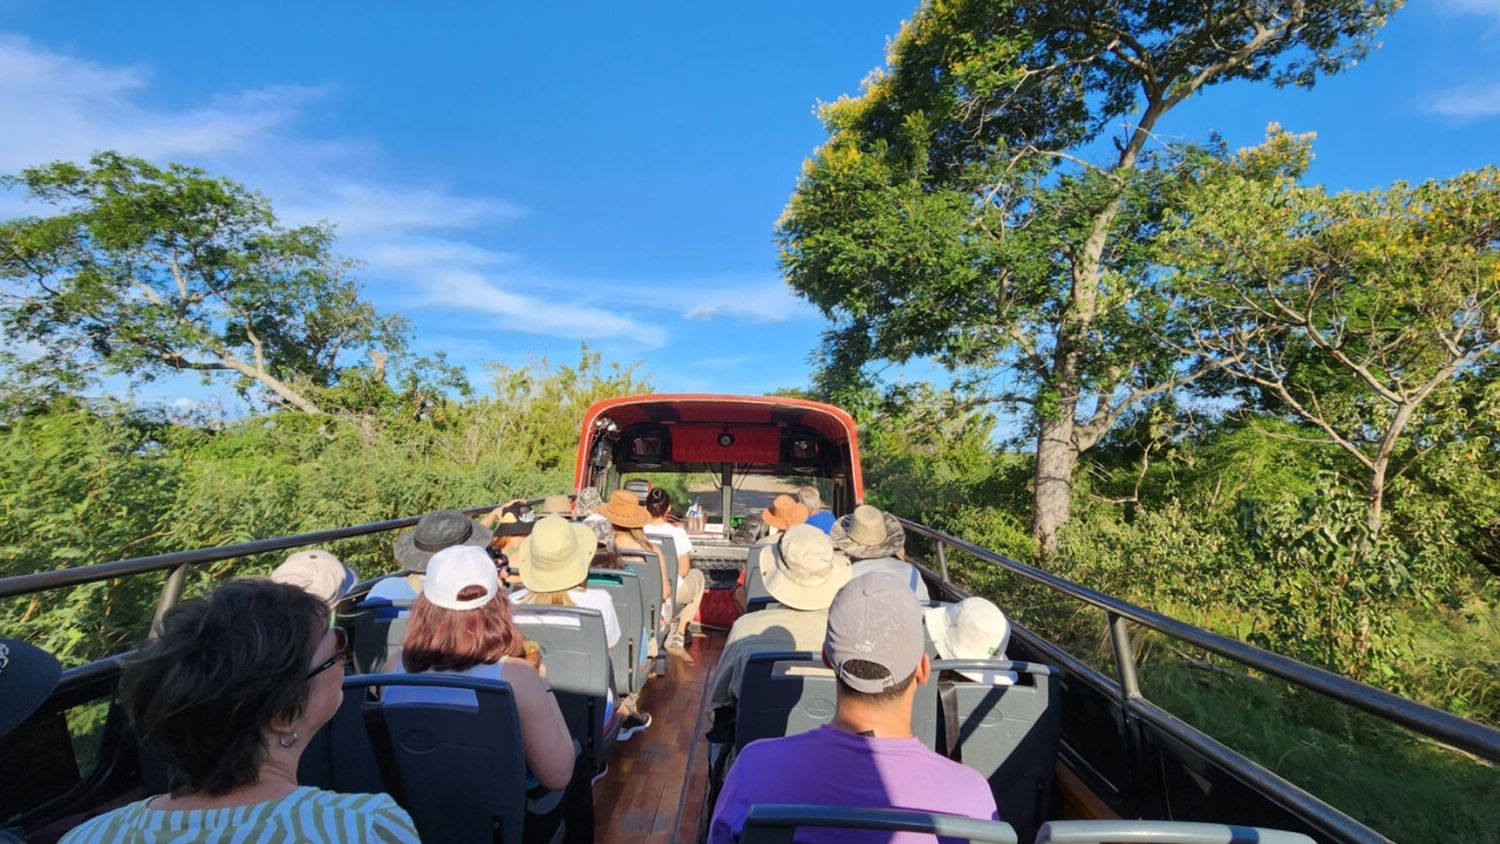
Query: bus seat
(756, 596)
(628, 656)
(647, 567)
(410, 750)
(1007, 733)
(783, 693)
(376, 630)
(1161, 832)
(777, 824)
(579, 671)
(669, 550)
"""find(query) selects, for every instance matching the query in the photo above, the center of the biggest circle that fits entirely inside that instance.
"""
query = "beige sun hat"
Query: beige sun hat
(784, 512)
(973, 628)
(557, 555)
(803, 571)
(868, 533)
(318, 573)
(556, 505)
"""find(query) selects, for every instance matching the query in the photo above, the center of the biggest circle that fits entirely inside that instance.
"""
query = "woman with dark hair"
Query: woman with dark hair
(228, 695)
(461, 625)
(691, 582)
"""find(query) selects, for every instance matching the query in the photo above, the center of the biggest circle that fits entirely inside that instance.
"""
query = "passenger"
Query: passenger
(433, 533)
(586, 502)
(973, 628)
(460, 625)
(875, 541)
(605, 555)
(690, 581)
(513, 525)
(802, 572)
(867, 758)
(625, 513)
(556, 505)
(817, 516)
(557, 572)
(318, 573)
(229, 694)
(784, 512)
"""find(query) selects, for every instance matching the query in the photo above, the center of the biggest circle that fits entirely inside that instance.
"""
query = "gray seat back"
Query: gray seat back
(628, 656)
(777, 824)
(1007, 733)
(1162, 832)
(670, 552)
(647, 566)
(410, 750)
(376, 630)
(756, 596)
(579, 670)
(783, 693)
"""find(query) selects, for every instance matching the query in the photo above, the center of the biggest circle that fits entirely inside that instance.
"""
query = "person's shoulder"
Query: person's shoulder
(383, 820)
(115, 820)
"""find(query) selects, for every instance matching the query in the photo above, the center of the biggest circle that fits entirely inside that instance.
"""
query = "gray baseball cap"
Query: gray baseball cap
(875, 618)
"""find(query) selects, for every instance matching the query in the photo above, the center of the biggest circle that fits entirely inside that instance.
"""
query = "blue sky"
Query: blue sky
(519, 178)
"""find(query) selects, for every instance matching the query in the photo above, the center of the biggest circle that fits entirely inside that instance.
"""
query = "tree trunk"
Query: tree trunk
(271, 383)
(1056, 455)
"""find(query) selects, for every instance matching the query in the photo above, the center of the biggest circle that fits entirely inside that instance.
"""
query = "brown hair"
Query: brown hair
(606, 558)
(439, 639)
(222, 668)
(635, 535)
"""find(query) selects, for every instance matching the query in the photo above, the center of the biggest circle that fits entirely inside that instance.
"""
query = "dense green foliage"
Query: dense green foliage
(89, 484)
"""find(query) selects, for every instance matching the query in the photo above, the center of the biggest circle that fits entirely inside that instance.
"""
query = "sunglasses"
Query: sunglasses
(340, 646)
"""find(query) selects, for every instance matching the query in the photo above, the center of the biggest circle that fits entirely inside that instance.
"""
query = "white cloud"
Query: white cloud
(1468, 102)
(764, 301)
(471, 292)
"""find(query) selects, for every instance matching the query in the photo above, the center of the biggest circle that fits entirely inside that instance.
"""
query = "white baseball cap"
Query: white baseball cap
(454, 569)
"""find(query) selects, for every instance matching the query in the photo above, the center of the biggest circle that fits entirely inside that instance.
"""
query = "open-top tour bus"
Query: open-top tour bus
(1076, 751)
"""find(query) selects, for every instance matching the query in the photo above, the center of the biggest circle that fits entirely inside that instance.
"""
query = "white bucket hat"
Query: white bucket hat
(803, 571)
(973, 628)
(556, 555)
(454, 569)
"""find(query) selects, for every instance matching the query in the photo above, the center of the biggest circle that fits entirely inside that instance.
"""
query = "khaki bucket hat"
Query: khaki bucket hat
(803, 571)
(557, 555)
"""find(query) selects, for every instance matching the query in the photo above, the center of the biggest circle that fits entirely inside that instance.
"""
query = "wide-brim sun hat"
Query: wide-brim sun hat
(803, 570)
(556, 505)
(318, 573)
(624, 510)
(868, 533)
(516, 520)
(586, 500)
(973, 628)
(436, 531)
(557, 555)
(784, 512)
(28, 675)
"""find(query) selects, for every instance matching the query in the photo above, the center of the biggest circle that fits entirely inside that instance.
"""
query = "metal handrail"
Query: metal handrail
(1446, 727)
(26, 584)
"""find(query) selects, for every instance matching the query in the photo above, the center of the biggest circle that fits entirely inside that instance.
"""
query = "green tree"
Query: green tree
(147, 271)
(975, 204)
(1364, 314)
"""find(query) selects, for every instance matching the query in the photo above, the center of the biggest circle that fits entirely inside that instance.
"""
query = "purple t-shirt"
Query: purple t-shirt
(830, 767)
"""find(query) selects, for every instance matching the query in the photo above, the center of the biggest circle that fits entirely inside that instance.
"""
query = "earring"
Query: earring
(282, 740)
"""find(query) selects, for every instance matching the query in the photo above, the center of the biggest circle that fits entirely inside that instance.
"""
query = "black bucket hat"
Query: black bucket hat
(516, 520)
(436, 531)
(27, 676)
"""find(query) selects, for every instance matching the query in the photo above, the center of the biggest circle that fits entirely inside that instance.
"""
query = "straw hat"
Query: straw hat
(803, 571)
(784, 512)
(973, 628)
(868, 533)
(557, 554)
(624, 509)
(556, 505)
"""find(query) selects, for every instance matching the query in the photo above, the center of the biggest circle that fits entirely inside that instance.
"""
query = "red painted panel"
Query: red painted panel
(700, 444)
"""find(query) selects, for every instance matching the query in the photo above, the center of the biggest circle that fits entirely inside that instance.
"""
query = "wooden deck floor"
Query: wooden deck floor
(653, 793)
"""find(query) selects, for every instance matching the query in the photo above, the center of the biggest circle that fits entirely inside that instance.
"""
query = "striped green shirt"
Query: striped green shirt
(307, 814)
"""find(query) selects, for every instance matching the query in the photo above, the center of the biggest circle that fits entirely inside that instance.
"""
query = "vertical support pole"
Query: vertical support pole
(170, 592)
(1119, 637)
(726, 494)
(942, 552)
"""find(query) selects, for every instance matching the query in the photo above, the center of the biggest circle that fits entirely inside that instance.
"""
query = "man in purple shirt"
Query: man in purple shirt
(867, 757)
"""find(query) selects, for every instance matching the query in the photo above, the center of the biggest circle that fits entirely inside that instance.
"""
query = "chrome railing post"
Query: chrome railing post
(171, 591)
(1119, 639)
(942, 552)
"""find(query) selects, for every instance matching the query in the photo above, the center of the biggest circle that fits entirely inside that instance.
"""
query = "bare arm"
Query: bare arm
(544, 733)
